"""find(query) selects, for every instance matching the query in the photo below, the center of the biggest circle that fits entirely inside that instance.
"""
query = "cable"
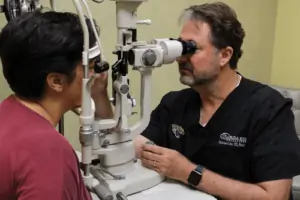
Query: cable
(98, 1)
(94, 29)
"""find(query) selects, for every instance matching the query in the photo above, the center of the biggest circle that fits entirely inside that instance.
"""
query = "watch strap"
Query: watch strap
(199, 169)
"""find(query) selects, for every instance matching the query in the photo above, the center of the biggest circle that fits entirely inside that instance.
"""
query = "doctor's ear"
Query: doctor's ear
(225, 55)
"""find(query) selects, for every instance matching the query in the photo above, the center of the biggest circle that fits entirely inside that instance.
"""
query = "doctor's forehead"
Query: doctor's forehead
(195, 30)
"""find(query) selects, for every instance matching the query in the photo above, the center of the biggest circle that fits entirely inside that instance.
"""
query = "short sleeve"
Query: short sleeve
(276, 147)
(156, 130)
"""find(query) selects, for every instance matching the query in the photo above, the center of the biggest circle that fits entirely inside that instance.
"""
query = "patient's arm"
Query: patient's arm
(103, 106)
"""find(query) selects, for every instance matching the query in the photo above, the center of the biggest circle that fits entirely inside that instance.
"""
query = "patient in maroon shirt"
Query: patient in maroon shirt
(41, 56)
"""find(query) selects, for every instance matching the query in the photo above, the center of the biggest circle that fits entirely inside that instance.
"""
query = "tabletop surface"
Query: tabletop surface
(170, 190)
(166, 190)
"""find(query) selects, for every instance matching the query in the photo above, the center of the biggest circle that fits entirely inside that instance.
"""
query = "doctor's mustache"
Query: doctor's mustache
(185, 66)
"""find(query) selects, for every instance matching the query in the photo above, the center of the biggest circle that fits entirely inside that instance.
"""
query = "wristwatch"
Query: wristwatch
(196, 176)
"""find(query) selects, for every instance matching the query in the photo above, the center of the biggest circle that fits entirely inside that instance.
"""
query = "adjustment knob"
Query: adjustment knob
(101, 67)
(149, 58)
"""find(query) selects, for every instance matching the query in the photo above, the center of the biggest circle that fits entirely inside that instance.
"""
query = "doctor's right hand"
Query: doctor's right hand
(167, 162)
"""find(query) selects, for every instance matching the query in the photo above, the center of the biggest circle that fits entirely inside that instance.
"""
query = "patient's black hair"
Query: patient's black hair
(38, 43)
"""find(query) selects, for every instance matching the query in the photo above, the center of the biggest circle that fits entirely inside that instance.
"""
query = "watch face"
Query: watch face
(194, 178)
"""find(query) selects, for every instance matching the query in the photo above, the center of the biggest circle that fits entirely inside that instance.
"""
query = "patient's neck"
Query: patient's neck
(48, 108)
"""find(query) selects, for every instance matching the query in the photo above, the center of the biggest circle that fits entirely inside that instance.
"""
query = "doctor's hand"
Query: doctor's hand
(167, 162)
(99, 87)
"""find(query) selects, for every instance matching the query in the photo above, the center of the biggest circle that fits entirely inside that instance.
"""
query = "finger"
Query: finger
(147, 163)
(104, 74)
(157, 169)
(100, 75)
(153, 148)
(151, 156)
(151, 164)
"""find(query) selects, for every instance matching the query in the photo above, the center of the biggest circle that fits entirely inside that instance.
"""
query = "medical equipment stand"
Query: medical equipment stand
(110, 168)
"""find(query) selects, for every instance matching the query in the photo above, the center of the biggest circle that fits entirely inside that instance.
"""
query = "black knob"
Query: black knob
(149, 58)
(101, 67)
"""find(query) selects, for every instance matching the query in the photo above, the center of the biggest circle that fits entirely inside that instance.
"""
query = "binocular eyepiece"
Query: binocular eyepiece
(167, 51)
(188, 47)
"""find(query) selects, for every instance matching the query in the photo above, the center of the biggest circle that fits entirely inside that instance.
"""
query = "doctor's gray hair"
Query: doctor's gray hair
(226, 30)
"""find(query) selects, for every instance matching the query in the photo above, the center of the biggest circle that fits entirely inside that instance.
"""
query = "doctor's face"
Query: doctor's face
(203, 66)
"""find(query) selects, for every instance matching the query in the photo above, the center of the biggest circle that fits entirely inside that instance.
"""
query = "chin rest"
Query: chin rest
(293, 94)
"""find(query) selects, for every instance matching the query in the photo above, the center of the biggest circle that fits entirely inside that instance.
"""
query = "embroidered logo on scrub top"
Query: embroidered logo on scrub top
(229, 140)
(177, 130)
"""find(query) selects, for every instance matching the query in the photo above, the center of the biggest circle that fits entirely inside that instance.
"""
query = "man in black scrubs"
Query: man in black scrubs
(226, 135)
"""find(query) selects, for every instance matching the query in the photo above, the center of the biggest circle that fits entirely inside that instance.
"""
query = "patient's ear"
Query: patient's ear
(56, 81)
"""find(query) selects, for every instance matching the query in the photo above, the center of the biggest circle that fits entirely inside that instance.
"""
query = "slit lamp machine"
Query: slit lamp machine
(109, 166)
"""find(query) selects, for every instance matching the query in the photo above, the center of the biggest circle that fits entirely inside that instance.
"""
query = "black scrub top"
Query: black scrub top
(250, 138)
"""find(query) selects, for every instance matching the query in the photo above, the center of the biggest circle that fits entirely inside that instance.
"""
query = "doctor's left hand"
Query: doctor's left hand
(167, 162)
(99, 87)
